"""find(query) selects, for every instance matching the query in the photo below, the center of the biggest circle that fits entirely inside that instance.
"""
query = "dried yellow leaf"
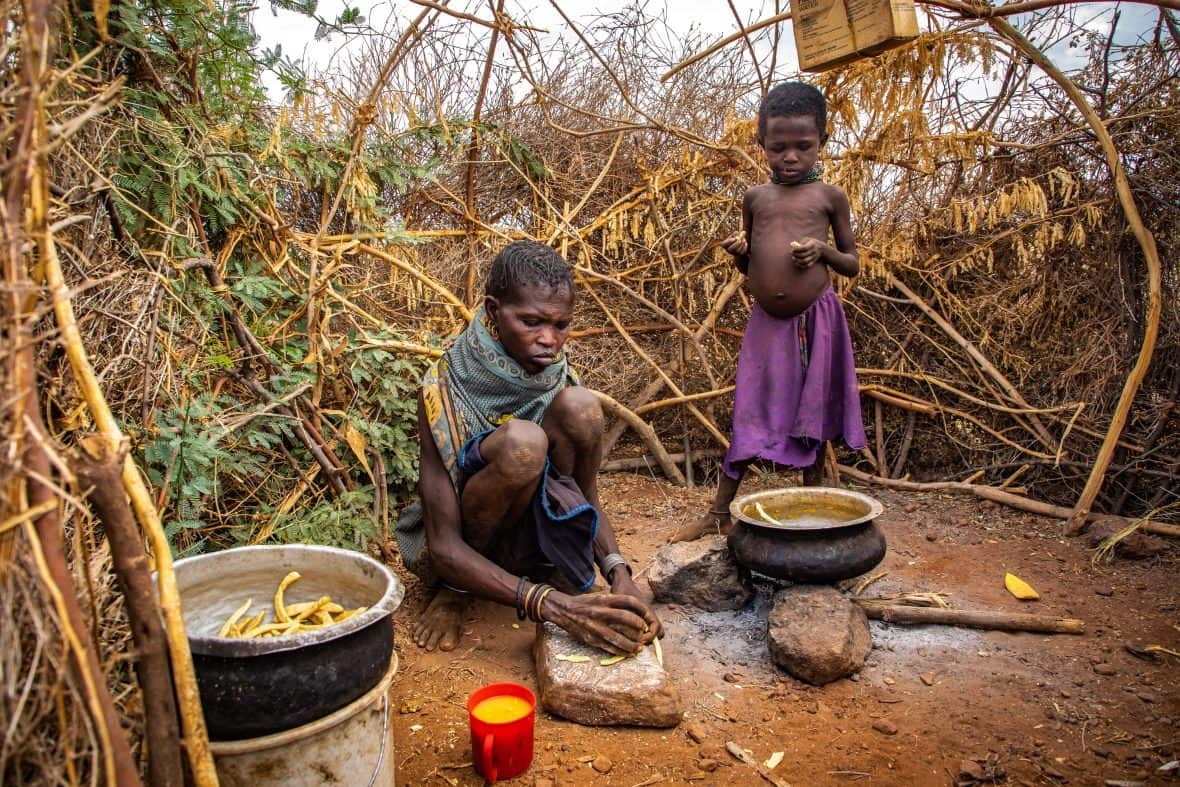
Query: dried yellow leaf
(1019, 588)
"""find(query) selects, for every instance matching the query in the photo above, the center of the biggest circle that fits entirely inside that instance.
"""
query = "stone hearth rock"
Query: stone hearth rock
(1136, 546)
(636, 690)
(817, 634)
(701, 574)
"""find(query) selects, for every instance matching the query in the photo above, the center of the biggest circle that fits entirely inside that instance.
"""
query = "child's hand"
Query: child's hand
(807, 252)
(737, 245)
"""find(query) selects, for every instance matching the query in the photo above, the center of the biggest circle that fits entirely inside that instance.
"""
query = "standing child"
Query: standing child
(796, 379)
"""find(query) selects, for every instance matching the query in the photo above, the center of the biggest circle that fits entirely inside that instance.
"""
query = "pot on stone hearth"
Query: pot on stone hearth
(815, 535)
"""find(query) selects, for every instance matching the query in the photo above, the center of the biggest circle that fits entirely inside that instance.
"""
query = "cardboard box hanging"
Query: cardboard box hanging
(829, 33)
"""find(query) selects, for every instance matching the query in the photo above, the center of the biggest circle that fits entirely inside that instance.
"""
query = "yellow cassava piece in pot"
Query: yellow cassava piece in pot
(1019, 588)
(228, 626)
(281, 611)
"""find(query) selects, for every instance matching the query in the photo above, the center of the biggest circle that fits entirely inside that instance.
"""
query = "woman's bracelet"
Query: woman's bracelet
(611, 562)
(521, 605)
(535, 613)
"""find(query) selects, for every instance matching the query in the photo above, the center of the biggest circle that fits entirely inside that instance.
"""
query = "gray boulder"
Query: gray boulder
(700, 574)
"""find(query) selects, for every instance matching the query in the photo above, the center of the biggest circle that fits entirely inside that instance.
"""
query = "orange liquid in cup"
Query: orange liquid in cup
(501, 710)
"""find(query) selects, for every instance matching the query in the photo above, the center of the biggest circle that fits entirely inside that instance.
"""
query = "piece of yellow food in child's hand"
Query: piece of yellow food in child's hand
(796, 244)
(1019, 588)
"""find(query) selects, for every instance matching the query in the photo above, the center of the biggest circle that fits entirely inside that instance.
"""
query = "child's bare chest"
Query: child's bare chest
(786, 208)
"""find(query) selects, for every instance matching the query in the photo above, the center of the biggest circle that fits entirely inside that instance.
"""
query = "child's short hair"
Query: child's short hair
(526, 263)
(788, 99)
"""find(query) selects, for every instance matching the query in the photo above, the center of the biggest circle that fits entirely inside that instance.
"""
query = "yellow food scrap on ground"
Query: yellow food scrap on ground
(773, 760)
(1019, 588)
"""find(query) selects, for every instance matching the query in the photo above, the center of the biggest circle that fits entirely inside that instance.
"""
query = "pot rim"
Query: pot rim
(737, 505)
(225, 647)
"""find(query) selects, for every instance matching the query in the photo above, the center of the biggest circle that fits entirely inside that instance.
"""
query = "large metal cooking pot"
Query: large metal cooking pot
(254, 687)
(812, 535)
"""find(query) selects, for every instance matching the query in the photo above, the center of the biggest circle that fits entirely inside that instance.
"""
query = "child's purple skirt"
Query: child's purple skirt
(796, 387)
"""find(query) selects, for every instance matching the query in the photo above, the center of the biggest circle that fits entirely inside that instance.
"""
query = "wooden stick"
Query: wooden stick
(447, 295)
(723, 297)
(692, 337)
(189, 700)
(978, 11)
(729, 39)
(27, 186)
(969, 618)
(1150, 253)
(473, 155)
(1160, 529)
(686, 398)
(640, 462)
(704, 419)
(645, 431)
(97, 466)
(912, 403)
(1005, 497)
(501, 22)
(879, 428)
(973, 351)
(739, 753)
(903, 453)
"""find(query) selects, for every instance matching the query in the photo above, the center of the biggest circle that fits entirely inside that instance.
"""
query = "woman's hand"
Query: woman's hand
(617, 623)
(737, 245)
(624, 585)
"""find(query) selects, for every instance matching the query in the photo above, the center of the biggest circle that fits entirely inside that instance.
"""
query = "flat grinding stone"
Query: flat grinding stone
(635, 691)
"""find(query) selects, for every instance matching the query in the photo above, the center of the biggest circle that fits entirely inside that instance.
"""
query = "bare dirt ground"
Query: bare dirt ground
(1014, 708)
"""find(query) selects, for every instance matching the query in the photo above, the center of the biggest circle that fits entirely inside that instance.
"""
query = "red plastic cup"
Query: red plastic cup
(501, 750)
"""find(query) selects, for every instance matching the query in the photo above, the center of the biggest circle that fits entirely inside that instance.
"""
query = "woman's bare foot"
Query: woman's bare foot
(814, 475)
(712, 522)
(442, 623)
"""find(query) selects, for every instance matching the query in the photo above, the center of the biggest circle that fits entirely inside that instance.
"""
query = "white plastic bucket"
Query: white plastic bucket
(353, 746)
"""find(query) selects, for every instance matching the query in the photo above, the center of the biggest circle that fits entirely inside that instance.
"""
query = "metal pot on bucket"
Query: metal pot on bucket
(813, 535)
(255, 687)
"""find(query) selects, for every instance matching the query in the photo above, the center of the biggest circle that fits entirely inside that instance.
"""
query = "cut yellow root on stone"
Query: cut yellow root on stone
(1019, 588)
(611, 660)
(573, 659)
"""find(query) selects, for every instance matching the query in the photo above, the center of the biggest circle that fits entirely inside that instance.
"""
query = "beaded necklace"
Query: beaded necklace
(811, 177)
